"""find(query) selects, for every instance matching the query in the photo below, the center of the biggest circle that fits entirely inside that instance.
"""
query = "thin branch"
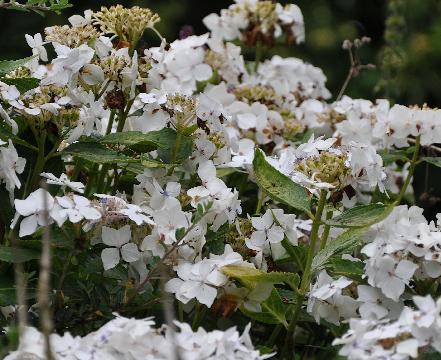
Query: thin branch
(430, 147)
(164, 257)
(26, 7)
(20, 289)
(44, 281)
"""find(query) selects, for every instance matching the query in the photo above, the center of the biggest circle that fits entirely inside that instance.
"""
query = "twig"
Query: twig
(27, 7)
(20, 289)
(164, 257)
(356, 66)
(44, 281)
(430, 147)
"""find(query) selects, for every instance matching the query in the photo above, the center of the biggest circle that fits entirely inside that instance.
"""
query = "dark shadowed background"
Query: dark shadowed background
(328, 23)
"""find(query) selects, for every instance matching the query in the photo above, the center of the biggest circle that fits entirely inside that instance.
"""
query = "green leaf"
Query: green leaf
(342, 244)
(297, 253)
(216, 239)
(251, 277)
(6, 134)
(23, 84)
(392, 156)
(277, 185)
(17, 255)
(273, 311)
(432, 160)
(6, 66)
(163, 140)
(351, 269)
(361, 216)
(96, 153)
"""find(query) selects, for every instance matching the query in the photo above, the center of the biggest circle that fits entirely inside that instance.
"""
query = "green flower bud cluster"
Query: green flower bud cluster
(182, 108)
(217, 139)
(127, 24)
(257, 93)
(237, 235)
(112, 66)
(71, 36)
(327, 167)
(21, 72)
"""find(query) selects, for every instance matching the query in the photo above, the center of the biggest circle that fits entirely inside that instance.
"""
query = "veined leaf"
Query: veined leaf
(351, 269)
(96, 153)
(432, 160)
(392, 156)
(361, 216)
(6, 134)
(342, 244)
(277, 185)
(17, 255)
(251, 277)
(22, 84)
(6, 66)
(273, 311)
(165, 140)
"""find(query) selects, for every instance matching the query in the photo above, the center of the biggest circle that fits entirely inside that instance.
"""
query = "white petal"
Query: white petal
(28, 225)
(130, 252)
(116, 237)
(110, 258)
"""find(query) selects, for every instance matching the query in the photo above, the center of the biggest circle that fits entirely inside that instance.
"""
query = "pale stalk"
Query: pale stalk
(44, 286)
(306, 277)
(413, 164)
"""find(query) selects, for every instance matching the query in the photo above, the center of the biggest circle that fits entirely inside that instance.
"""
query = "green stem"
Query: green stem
(180, 311)
(413, 164)
(197, 316)
(40, 162)
(306, 277)
(326, 230)
(258, 55)
(274, 335)
(123, 116)
(260, 202)
(177, 145)
(110, 124)
(91, 179)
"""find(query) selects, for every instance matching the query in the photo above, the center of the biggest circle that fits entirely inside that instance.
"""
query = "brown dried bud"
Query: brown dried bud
(115, 99)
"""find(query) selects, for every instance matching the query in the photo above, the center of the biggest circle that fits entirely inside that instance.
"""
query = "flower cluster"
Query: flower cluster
(183, 174)
(124, 338)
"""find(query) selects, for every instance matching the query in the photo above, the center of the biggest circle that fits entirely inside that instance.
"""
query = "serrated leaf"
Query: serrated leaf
(273, 311)
(342, 244)
(351, 269)
(361, 216)
(432, 160)
(251, 277)
(97, 153)
(277, 185)
(22, 84)
(163, 140)
(17, 255)
(6, 66)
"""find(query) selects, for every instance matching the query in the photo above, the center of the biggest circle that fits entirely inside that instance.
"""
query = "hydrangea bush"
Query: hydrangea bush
(231, 200)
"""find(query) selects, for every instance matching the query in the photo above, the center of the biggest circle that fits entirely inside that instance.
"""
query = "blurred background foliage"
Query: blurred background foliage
(408, 74)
